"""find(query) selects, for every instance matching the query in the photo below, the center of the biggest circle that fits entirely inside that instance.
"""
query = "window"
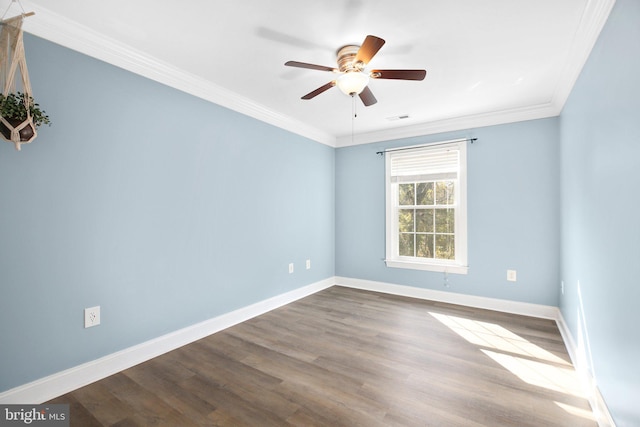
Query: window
(426, 207)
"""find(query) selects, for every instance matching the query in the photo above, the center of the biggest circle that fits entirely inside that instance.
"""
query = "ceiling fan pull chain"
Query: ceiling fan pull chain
(354, 111)
(354, 114)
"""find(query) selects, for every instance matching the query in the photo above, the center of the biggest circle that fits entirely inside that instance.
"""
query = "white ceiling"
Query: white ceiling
(487, 62)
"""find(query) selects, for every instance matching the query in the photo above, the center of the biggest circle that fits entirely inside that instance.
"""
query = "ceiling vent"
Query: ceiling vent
(401, 117)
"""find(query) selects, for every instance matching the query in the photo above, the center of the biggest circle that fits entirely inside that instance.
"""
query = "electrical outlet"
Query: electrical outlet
(290, 268)
(308, 264)
(511, 275)
(562, 287)
(91, 316)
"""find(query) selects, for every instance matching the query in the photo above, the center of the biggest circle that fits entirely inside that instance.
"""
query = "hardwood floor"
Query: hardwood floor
(346, 357)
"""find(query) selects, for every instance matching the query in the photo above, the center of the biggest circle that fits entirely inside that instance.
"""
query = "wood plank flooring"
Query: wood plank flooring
(346, 357)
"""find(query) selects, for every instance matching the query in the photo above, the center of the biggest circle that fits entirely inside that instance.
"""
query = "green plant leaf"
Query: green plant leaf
(14, 106)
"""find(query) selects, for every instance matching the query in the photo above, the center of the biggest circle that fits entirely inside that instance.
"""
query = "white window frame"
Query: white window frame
(393, 259)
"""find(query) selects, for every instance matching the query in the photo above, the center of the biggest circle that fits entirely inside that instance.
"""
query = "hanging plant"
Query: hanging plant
(20, 116)
(13, 108)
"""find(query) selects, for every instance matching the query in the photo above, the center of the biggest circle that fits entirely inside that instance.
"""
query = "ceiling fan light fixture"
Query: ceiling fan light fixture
(352, 79)
(352, 82)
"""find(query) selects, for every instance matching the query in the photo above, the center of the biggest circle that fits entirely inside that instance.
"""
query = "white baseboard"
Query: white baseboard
(578, 358)
(600, 410)
(514, 307)
(68, 380)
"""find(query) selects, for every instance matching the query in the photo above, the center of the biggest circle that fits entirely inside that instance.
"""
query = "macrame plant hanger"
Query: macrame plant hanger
(12, 62)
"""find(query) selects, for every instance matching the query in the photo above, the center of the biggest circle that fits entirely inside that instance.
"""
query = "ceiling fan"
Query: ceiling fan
(353, 79)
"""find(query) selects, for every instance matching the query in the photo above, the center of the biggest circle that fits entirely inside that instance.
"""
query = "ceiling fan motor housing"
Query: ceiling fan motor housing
(347, 59)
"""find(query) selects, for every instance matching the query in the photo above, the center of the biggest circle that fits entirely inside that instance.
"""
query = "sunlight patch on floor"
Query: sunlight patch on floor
(494, 336)
(527, 361)
(540, 374)
(579, 412)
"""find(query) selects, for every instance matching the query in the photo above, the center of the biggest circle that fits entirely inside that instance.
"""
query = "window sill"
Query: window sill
(442, 268)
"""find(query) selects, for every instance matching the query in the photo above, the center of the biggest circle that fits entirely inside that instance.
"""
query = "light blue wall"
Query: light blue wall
(167, 210)
(600, 131)
(160, 207)
(513, 214)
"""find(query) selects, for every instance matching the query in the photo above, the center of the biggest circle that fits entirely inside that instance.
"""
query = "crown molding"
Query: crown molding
(592, 22)
(70, 34)
(454, 124)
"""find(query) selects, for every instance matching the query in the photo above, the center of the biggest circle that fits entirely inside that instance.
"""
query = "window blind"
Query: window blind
(425, 163)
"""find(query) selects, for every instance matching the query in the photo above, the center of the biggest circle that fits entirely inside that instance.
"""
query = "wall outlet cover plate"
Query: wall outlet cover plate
(91, 316)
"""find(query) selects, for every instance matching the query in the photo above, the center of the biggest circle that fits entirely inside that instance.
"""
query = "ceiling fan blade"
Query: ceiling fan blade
(310, 66)
(318, 91)
(369, 48)
(399, 74)
(367, 97)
